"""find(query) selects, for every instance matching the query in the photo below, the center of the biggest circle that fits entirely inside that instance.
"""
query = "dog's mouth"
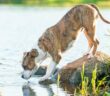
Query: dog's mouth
(26, 74)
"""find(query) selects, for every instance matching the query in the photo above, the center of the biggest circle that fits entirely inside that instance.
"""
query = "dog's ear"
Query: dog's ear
(34, 53)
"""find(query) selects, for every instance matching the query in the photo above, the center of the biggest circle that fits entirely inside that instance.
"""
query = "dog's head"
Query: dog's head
(28, 63)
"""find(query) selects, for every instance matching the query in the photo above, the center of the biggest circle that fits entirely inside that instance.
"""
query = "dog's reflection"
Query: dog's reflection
(28, 91)
(49, 90)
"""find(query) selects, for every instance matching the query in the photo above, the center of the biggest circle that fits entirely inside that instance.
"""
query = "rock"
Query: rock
(71, 73)
(41, 71)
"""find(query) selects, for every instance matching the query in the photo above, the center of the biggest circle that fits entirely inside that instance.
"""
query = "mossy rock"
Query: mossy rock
(72, 72)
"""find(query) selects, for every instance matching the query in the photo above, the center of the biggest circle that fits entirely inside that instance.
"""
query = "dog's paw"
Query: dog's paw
(43, 78)
(46, 82)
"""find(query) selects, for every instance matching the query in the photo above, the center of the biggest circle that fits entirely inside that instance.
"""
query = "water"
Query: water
(20, 28)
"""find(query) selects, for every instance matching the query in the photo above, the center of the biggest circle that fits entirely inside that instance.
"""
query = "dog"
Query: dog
(60, 37)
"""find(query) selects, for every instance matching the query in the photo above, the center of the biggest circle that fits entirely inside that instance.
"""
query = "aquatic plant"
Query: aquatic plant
(84, 83)
(96, 87)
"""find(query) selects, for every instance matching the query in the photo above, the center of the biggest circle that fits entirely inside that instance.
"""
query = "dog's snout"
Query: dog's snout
(25, 67)
(25, 76)
(22, 76)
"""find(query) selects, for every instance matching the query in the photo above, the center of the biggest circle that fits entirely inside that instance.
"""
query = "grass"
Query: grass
(93, 81)
(106, 94)
(95, 88)
(84, 83)
(58, 85)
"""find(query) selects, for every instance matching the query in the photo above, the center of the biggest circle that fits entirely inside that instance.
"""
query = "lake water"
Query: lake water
(20, 28)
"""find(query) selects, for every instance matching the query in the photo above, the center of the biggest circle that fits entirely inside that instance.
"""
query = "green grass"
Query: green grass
(84, 83)
(95, 88)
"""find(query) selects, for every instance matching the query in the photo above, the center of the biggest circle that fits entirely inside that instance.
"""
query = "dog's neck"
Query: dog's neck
(41, 55)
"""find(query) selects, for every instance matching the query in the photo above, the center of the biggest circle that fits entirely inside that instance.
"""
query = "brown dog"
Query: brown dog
(60, 37)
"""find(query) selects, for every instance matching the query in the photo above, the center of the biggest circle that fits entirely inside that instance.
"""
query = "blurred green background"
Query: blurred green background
(101, 3)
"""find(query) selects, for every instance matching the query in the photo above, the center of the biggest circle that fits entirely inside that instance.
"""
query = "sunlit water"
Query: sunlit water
(20, 28)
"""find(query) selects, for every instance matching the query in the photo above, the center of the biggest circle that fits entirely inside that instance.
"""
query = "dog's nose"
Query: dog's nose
(25, 77)
(22, 76)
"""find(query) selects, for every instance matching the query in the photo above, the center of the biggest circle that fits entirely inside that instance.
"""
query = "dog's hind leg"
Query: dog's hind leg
(92, 41)
(96, 42)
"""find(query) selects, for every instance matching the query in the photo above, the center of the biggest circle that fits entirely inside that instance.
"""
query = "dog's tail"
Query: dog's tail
(94, 6)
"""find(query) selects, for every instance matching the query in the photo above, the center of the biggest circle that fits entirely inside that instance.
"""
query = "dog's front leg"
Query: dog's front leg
(50, 69)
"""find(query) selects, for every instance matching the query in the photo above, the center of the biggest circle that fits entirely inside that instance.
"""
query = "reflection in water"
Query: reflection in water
(49, 89)
(28, 91)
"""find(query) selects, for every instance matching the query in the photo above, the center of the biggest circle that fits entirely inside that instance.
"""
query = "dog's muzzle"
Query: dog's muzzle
(26, 74)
